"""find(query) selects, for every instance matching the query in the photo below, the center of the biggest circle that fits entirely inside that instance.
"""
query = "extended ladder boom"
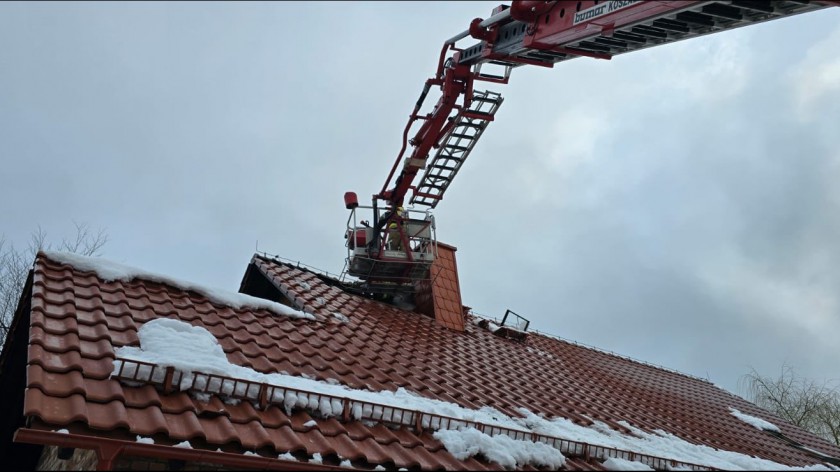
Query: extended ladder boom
(543, 33)
(396, 250)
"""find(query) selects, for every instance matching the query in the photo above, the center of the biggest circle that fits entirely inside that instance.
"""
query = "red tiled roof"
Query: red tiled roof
(78, 319)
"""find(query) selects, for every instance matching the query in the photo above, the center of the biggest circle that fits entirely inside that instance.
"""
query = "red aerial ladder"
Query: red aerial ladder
(397, 247)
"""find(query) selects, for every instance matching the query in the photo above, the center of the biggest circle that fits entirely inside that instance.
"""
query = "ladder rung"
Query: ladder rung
(723, 11)
(456, 148)
(611, 42)
(650, 32)
(628, 36)
(754, 5)
(695, 18)
(449, 156)
(671, 25)
(593, 46)
(478, 98)
(438, 166)
(446, 157)
(471, 125)
(463, 136)
(477, 115)
(438, 187)
(427, 195)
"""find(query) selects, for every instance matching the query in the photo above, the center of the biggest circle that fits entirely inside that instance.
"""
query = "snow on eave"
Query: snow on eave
(110, 271)
(617, 463)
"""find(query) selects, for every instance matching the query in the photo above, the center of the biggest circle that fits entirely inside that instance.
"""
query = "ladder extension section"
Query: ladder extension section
(697, 19)
(455, 147)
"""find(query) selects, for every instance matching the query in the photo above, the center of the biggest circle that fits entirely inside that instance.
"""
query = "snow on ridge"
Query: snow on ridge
(757, 423)
(110, 271)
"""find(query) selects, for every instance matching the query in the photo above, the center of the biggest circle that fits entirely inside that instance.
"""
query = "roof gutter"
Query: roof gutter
(108, 450)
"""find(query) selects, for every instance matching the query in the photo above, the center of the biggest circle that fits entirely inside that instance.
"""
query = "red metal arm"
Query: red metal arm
(545, 32)
(457, 81)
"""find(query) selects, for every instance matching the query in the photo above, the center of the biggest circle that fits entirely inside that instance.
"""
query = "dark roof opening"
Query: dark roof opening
(18, 456)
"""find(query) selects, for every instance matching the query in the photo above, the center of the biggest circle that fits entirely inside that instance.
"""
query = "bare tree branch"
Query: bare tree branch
(15, 265)
(806, 403)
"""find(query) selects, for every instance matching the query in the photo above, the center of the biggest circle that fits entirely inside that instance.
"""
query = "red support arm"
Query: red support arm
(560, 26)
(457, 81)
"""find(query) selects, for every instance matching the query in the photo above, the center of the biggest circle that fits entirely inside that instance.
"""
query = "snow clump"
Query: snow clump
(753, 421)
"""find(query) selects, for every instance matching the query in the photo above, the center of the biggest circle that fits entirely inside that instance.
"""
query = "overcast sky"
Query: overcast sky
(678, 205)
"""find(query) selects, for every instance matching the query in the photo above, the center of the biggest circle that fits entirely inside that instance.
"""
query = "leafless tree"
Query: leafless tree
(15, 264)
(829, 417)
(811, 405)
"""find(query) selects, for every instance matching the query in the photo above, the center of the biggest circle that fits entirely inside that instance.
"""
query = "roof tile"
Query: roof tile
(60, 410)
(184, 426)
(147, 421)
(56, 384)
(107, 416)
(219, 430)
(285, 439)
(54, 342)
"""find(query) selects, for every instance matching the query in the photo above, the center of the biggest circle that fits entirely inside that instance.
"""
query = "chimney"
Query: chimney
(440, 296)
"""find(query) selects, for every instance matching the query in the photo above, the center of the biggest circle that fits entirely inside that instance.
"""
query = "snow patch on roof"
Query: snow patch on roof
(143, 440)
(540, 352)
(316, 459)
(659, 443)
(340, 317)
(753, 421)
(287, 457)
(175, 343)
(110, 271)
(184, 445)
(503, 450)
(168, 342)
(614, 463)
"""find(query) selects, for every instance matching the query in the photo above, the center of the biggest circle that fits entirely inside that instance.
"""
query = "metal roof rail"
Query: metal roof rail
(602, 351)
